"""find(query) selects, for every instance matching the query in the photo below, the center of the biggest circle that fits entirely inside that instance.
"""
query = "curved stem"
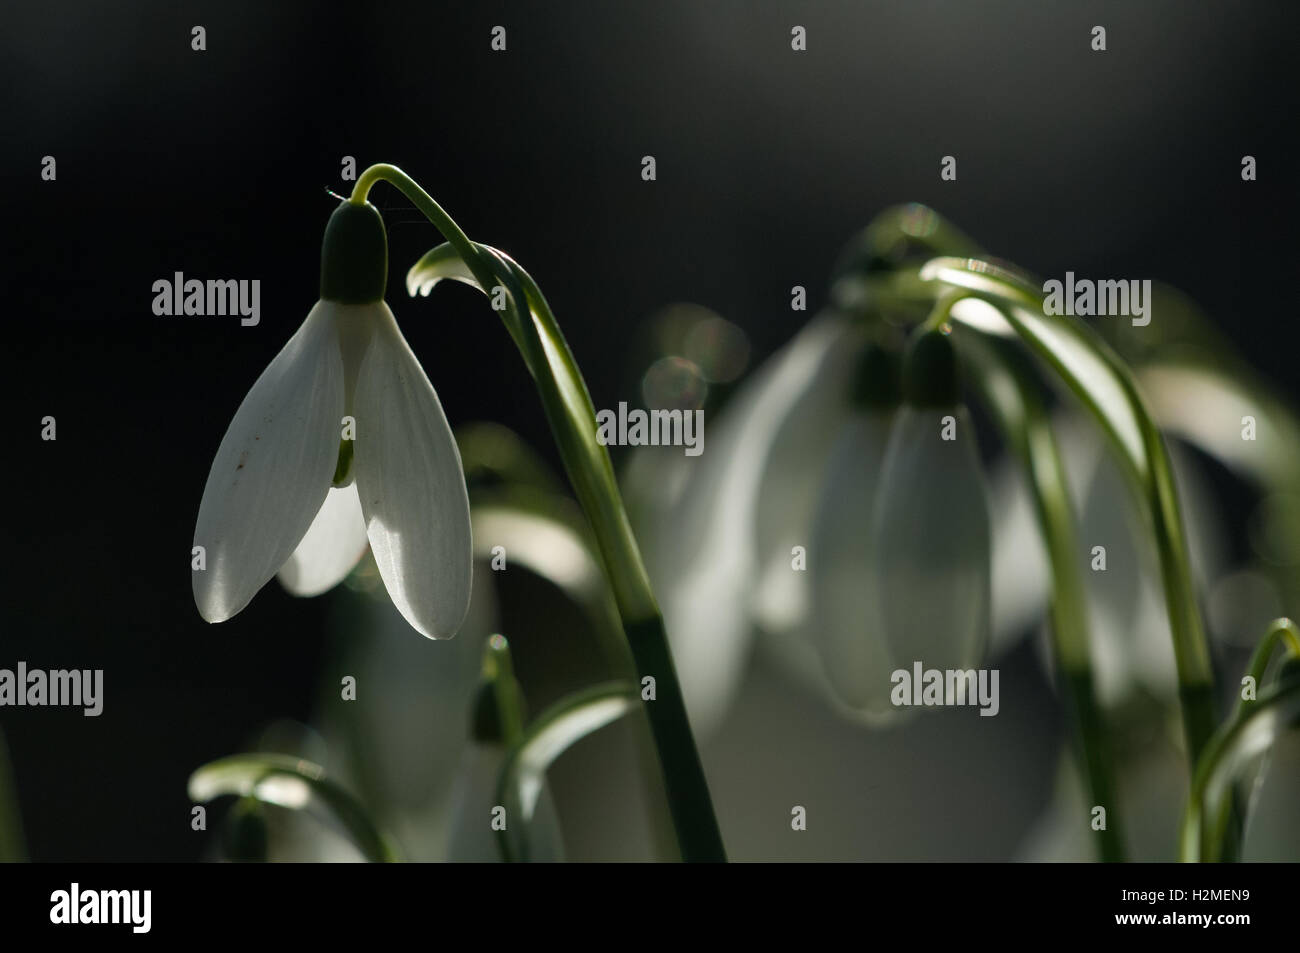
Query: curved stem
(1280, 631)
(572, 416)
(1229, 824)
(572, 419)
(1107, 389)
(550, 734)
(253, 775)
(1007, 385)
(1248, 734)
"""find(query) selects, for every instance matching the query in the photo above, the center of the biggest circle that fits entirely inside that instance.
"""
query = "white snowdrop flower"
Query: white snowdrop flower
(930, 539)
(845, 620)
(700, 544)
(342, 440)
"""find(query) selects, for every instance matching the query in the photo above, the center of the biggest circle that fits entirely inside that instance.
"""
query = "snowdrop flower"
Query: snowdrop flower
(699, 521)
(797, 453)
(930, 539)
(845, 622)
(477, 793)
(900, 563)
(342, 440)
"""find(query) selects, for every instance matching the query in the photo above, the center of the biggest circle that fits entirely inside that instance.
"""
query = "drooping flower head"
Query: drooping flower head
(342, 440)
(846, 625)
(930, 532)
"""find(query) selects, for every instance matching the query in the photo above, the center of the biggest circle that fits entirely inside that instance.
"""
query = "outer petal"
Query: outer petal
(412, 487)
(331, 548)
(700, 545)
(793, 475)
(930, 543)
(851, 641)
(272, 470)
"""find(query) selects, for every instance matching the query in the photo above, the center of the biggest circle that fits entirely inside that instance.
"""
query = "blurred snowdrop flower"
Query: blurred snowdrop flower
(817, 419)
(477, 812)
(472, 836)
(930, 542)
(845, 622)
(698, 520)
(341, 440)
(772, 534)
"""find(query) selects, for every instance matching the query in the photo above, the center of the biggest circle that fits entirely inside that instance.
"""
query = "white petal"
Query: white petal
(846, 624)
(272, 470)
(412, 488)
(793, 475)
(700, 553)
(336, 540)
(473, 799)
(1020, 580)
(930, 543)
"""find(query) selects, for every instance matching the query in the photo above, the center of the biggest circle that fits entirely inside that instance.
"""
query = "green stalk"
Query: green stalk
(1253, 729)
(1007, 385)
(1228, 832)
(572, 419)
(1280, 631)
(550, 734)
(1107, 389)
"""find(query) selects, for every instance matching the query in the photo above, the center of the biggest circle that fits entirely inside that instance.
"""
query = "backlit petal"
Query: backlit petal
(272, 470)
(332, 546)
(412, 487)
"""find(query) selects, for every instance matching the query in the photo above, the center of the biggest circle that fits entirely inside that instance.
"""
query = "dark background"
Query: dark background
(1117, 164)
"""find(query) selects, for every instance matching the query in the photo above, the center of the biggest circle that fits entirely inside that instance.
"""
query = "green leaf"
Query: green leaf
(290, 783)
(552, 733)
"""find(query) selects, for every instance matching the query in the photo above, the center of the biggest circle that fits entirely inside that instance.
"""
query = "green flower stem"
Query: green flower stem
(1107, 389)
(1009, 388)
(1250, 732)
(572, 419)
(1229, 828)
(1280, 632)
(550, 734)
